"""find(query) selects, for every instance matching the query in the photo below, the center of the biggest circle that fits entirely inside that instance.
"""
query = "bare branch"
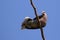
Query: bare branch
(34, 9)
(42, 34)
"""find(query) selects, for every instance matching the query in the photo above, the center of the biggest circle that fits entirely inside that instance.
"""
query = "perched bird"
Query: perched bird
(29, 23)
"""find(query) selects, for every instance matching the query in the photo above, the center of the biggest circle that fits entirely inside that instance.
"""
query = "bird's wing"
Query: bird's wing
(39, 17)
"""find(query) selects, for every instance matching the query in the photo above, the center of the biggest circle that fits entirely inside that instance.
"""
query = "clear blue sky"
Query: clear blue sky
(12, 13)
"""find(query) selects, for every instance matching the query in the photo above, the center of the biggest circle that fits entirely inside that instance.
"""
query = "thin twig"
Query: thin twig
(42, 34)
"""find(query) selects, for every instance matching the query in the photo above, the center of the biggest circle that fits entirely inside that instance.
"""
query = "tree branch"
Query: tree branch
(42, 34)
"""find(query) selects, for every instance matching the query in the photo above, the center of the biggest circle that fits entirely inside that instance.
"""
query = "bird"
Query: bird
(30, 23)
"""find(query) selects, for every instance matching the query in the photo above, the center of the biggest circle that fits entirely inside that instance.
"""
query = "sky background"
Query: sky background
(13, 12)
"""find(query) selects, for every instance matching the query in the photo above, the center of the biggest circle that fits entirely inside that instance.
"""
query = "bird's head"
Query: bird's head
(26, 18)
(25, 22)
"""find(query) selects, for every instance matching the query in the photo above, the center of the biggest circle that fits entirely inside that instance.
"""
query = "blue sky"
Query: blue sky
(12, 13)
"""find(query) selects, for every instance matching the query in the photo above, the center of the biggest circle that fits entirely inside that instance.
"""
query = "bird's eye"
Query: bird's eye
(29, 19)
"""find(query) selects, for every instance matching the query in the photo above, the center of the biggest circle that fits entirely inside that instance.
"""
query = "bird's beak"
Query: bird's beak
(23, 27)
